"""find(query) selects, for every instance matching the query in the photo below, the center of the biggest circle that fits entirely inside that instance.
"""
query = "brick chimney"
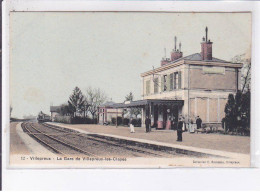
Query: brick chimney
(165, 60)
(176, 53)
(206, 47)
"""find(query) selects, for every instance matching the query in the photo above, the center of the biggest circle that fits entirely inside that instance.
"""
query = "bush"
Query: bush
(237, 113)
(126, 121)
(81, 120)
(62, 119)
(119, 121)
(74, 120)
(139, 122)
(223, 123)
(113, 120)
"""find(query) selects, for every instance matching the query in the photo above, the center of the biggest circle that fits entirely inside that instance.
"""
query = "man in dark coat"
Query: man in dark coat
(147, 124)
(198, 122)
(179, 130)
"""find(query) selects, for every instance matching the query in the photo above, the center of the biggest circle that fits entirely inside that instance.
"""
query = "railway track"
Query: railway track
(54, 144)
(137, 149)
(59, 139)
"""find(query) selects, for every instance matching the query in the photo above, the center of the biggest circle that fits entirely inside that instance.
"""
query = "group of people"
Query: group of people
(180, 126)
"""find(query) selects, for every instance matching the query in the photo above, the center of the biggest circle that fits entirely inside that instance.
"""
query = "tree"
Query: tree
(136, 111)
(245, 112)
(65, 109)
(237, 112)
(229, 110)
(243, 98)
(132, 111)
(94, 98)
(245, 71)
(85, 107)
(129, 97)
(76, 101)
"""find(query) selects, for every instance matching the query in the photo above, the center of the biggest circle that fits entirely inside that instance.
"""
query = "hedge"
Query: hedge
(62, 119)
(125, 121)
(119, 121)
(74, 120)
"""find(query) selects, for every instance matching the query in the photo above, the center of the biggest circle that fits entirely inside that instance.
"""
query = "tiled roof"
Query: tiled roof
(192, 59)
(107, 104)
(197, 57)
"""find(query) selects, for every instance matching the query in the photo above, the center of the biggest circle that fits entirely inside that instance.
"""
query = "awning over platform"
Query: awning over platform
(142, 103)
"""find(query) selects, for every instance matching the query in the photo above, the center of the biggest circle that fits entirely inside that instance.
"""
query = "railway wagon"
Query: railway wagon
(42, 117)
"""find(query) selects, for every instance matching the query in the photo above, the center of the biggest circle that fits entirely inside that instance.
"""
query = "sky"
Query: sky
(53, 52)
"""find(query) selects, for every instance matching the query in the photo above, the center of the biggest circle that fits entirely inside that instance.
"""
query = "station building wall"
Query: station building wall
(210, 110)
(219, 78)
(106, 114)
(209, 90)
(53, 114)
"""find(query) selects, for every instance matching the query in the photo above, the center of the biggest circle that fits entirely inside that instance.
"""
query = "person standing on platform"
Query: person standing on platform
(152, 122)
(147, 124)
(179, 130)
(132, 129)
(150, 127)
(172, 122)
(185, 122)
(198, 122)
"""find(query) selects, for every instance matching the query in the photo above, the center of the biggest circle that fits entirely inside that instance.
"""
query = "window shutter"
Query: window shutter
(168, 82)
(174, 85)
(147, 87)
(156, 85)
(171, 81)
(179, 80)
(162, 83)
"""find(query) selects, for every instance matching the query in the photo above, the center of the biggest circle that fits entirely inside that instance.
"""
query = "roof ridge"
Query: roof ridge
(189, 57)
(219, 59)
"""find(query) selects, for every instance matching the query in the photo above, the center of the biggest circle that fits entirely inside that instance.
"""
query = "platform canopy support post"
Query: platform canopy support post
(150, 110)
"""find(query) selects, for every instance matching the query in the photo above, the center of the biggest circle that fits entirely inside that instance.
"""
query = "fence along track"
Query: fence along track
(59, 141)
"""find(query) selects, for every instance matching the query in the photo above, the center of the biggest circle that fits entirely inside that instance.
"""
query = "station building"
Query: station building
(190, 86)
(55, 111)
(106, 112)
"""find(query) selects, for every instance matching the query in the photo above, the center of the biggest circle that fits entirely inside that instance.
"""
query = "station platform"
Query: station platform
(212, 144)
(22, 144)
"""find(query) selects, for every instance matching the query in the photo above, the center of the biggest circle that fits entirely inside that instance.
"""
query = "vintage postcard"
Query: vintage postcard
(129, 89)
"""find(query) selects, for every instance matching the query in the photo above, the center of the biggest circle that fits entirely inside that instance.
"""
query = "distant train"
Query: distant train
(43, 117)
